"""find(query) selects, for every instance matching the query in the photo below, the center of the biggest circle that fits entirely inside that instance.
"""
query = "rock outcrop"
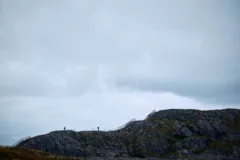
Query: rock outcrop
(167, 134)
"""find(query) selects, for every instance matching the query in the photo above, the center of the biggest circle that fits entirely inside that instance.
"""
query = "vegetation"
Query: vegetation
(14, 153)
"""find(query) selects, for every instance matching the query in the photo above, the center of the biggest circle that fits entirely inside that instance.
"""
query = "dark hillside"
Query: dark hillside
(166, 134)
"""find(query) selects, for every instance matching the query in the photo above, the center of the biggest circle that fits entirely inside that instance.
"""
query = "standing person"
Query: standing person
(98, 128)
(64, 128)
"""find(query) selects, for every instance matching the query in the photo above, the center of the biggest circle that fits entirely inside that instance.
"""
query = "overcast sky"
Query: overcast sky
(84, 63)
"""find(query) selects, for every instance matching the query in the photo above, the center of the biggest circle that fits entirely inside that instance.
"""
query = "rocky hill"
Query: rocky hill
(167, 134)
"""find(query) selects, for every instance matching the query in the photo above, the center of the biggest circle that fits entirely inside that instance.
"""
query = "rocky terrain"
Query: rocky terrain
(167, 134)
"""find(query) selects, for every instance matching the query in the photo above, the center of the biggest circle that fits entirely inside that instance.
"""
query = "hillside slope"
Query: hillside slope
(13, 153)
(164, 134)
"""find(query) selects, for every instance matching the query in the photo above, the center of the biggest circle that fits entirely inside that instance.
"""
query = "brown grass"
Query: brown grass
(13, 153)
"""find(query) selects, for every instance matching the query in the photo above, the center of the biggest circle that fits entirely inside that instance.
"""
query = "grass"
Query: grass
(13, 153)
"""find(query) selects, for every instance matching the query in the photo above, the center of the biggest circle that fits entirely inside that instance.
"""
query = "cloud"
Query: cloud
(107, 109)
(105, 62)
(206, 82)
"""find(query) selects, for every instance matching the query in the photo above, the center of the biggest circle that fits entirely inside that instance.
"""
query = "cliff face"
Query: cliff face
(165, 134)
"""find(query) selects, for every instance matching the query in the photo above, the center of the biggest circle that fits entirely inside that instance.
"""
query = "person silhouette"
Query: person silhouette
(64, 128)
(98, 128)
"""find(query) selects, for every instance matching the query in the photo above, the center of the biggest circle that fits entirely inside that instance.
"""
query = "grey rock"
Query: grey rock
(185, 152)
(236, 152)
(183, 132)
(168, 134)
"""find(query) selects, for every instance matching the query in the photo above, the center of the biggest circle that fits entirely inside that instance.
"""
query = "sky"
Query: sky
(81, 64)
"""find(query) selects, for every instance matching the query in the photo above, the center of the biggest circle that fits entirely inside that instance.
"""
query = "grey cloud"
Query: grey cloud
(192, 42)
(207, 93)
(188, 42)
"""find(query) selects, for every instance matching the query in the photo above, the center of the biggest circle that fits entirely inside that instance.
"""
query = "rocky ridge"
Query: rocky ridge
(166, 134)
